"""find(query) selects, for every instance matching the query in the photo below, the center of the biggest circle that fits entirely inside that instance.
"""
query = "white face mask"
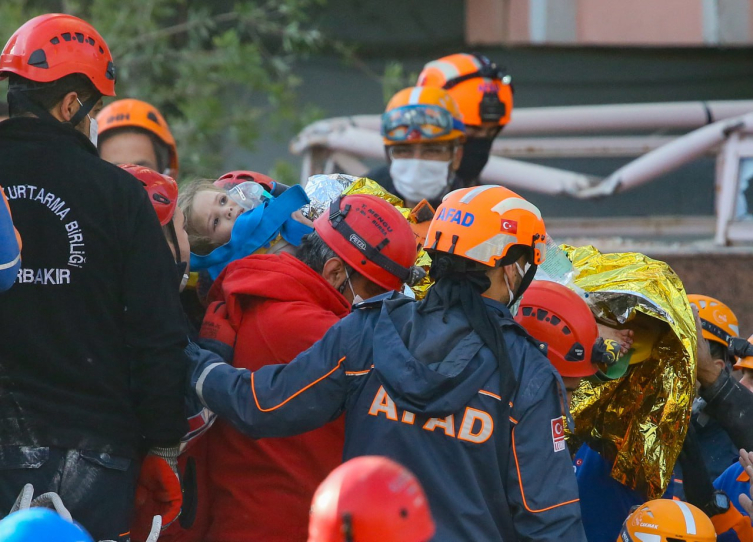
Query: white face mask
(356, 298)
(93, 126)
(514, 306)
(93, 130)
(418, 179)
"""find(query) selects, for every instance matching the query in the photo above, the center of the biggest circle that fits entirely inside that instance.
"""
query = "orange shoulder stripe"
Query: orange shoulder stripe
(296, 394)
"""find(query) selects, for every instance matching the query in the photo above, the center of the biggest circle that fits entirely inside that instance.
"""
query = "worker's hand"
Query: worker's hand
(217, 334)
(746, 460)
(708, 370)
(158, 492)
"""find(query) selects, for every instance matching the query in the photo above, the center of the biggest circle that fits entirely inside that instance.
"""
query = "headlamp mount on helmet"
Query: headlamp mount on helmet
(488, 70)
(491, 108)
(409, 275)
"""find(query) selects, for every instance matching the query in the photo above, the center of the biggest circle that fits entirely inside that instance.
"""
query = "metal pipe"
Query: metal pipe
(577, 147)
(589, 118)
(669, 157)
(515, 174)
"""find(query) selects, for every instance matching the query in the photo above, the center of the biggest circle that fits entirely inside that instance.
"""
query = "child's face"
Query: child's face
(213, 215)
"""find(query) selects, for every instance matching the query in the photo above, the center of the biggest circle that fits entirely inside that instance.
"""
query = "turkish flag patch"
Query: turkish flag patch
(558, 434)
(509, 226)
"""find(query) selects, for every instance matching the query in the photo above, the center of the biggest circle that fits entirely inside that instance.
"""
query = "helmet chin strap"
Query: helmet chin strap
(527, 278)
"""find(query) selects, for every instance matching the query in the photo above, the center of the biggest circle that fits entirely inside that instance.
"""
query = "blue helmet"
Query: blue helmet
(36, 524)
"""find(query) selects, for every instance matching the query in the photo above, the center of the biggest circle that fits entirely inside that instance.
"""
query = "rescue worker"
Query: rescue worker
(262, 490)
(370, 499)
(666, 520)
(735, 480)
(450, 386)
(484, 95)
(135, 132)
(719, 325)
(423, 135)
(728, 401)
(10, 247)
(159, 491)
(97, 276)
(730, 522)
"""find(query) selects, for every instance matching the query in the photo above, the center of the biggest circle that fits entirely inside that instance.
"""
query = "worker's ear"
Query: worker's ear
(334, 272)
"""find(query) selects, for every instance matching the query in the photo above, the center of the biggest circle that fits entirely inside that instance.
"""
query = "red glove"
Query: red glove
(158, 492)
(216, 326)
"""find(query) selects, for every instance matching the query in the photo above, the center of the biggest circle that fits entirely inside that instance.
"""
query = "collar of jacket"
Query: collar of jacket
(34, 129)
(499, 307)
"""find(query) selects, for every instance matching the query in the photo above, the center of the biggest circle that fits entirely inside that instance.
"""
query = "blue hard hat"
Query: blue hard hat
(38, 525)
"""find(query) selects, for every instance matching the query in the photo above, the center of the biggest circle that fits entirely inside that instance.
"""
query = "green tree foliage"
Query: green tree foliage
(221, 72)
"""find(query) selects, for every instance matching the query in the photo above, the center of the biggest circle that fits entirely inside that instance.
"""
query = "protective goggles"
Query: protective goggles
(419, 121)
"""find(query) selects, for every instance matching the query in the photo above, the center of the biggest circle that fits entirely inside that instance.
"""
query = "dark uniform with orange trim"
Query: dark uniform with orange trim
(424, 390)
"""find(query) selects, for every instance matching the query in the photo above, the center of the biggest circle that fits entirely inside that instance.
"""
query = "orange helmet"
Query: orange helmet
(483, 223)
(420, 115)
(718, 321)
(132, 113)
(370, 499)
(482, 90)
(666, 520)
(52, 46)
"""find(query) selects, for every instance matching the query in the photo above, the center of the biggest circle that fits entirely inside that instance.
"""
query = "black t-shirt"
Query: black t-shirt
(92, 331)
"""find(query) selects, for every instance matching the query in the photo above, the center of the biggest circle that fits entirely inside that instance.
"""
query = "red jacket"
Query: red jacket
(262, 489)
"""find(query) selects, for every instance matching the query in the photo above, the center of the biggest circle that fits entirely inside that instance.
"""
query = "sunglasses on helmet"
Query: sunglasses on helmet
(419, 121)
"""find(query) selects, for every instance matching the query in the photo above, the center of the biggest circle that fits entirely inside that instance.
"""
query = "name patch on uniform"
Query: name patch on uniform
(558, 434)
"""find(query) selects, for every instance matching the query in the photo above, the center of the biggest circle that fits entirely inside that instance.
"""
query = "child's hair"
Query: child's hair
(200, 244)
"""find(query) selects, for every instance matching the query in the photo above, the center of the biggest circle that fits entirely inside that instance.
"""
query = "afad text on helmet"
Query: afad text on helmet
(456, 216)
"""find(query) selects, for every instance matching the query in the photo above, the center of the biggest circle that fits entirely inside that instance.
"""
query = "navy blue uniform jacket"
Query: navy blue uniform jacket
(424, 392)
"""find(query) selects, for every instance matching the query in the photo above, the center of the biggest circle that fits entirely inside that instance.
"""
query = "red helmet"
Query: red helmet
(555, 315)
(233, 178)
(49, 47)
(372, 237)
(162, 190)
(370, 499)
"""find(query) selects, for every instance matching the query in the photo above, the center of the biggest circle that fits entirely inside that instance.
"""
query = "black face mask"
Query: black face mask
(475, 156)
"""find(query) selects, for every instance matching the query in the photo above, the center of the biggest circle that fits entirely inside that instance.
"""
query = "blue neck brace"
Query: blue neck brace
(256, 229)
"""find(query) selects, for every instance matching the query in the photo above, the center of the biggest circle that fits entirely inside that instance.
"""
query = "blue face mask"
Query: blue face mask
(256, 229)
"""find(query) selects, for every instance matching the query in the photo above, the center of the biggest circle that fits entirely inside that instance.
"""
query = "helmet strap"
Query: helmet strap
(524, 283)
(347, 527)
(85, 109)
